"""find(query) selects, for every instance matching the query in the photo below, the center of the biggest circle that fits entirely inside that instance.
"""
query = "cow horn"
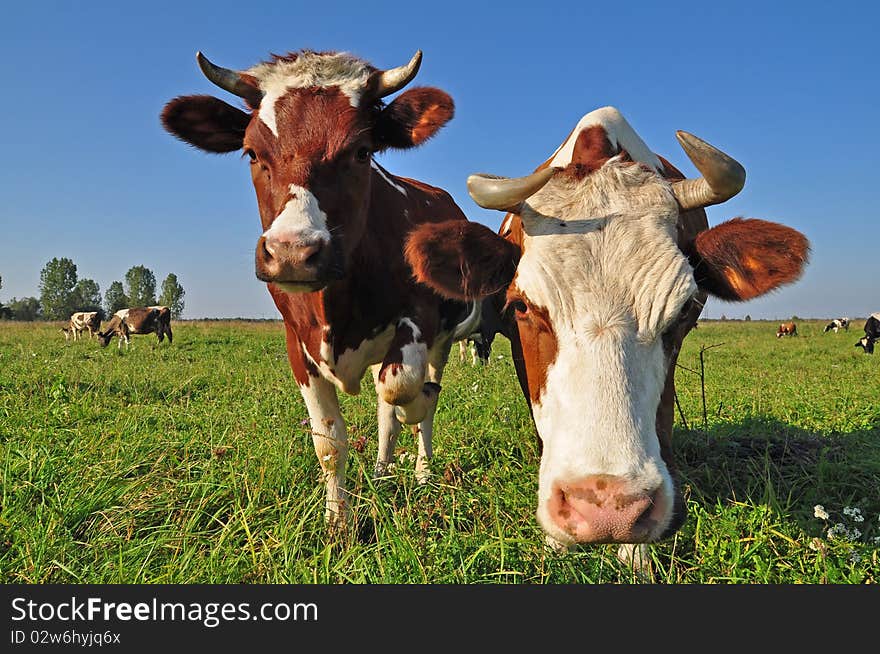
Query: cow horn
(506, 193)
(229, 80)
(394, 79)
(723, 177)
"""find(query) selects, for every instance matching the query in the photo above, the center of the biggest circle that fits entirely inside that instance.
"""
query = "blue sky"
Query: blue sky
(789, 89)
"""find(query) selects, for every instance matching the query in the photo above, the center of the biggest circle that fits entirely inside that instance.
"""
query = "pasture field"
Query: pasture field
(193, 463)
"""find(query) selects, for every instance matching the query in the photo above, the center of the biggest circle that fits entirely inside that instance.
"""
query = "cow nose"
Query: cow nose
(289, 252)
(603, 509)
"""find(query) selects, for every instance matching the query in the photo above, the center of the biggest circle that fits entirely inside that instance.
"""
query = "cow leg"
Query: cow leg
(331, 445)
(389, 429)
(424, 431)
(462, 351)
(169, 334)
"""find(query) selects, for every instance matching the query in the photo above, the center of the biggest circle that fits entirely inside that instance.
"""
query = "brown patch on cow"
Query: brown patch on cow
(329, 422)
(393, 368)
(537, 347)
(592, 150)
(464, 261)
(741, 259)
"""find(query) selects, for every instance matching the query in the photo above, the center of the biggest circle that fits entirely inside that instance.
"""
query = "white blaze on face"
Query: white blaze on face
(301, 220)
(307, 70)
(600, 256)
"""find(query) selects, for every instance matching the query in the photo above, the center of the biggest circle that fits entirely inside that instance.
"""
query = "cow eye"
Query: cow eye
(362, 155)
(251, 155)
(520, 309)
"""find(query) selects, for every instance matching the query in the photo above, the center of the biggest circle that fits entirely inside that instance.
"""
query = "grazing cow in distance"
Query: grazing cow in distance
(837, 324)
(136, 320)
(480, 350)
(872, 333)
(82, 321)
(786, 329)
(604, 261)
(334, 223)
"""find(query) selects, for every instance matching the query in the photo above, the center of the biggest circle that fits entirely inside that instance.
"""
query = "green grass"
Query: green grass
(191, 463)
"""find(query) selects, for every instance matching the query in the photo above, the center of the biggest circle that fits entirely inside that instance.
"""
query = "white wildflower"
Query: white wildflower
(820, 512)
(855, 513)
(855, 557)
(838, 530)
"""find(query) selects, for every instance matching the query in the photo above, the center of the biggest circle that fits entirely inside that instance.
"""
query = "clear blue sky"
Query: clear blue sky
(791, 90)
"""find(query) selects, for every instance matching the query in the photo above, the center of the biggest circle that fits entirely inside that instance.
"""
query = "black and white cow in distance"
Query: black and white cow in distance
(81, 321)
(872, 333)
(137, 320)
(836, 325)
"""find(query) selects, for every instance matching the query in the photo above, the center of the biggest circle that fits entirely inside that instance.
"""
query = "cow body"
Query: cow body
(334, 223)
(81, 321)
(136, 320)
(605, 259)
(872, 333)
(836, 325)
(786, 329)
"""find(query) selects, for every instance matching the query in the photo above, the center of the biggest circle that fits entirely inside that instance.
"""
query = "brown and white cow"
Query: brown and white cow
(136, 320)
(786, 329)
(334, 223)
(81, 321)
(603, 265)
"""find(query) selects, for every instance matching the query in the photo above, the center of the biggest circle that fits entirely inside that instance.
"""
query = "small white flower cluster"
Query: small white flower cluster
(854, 512)
(839, 530)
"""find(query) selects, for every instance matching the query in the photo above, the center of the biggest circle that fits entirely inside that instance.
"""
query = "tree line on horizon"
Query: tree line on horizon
(62, 293)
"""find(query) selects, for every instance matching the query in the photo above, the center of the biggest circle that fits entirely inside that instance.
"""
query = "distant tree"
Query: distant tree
(87, 296)
(748, 318)
(57, 283)
(115, 298)
(795, 318)
(141, 283)
(723, 317)
(27, 308)
(172, 295)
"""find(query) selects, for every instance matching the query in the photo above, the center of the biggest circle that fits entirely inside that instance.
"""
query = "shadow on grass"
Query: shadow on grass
(764, 461)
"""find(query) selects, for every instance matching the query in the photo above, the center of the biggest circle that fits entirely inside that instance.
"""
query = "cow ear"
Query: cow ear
(743, 259)
(414, 117)
(206, 122)
(460, 259)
